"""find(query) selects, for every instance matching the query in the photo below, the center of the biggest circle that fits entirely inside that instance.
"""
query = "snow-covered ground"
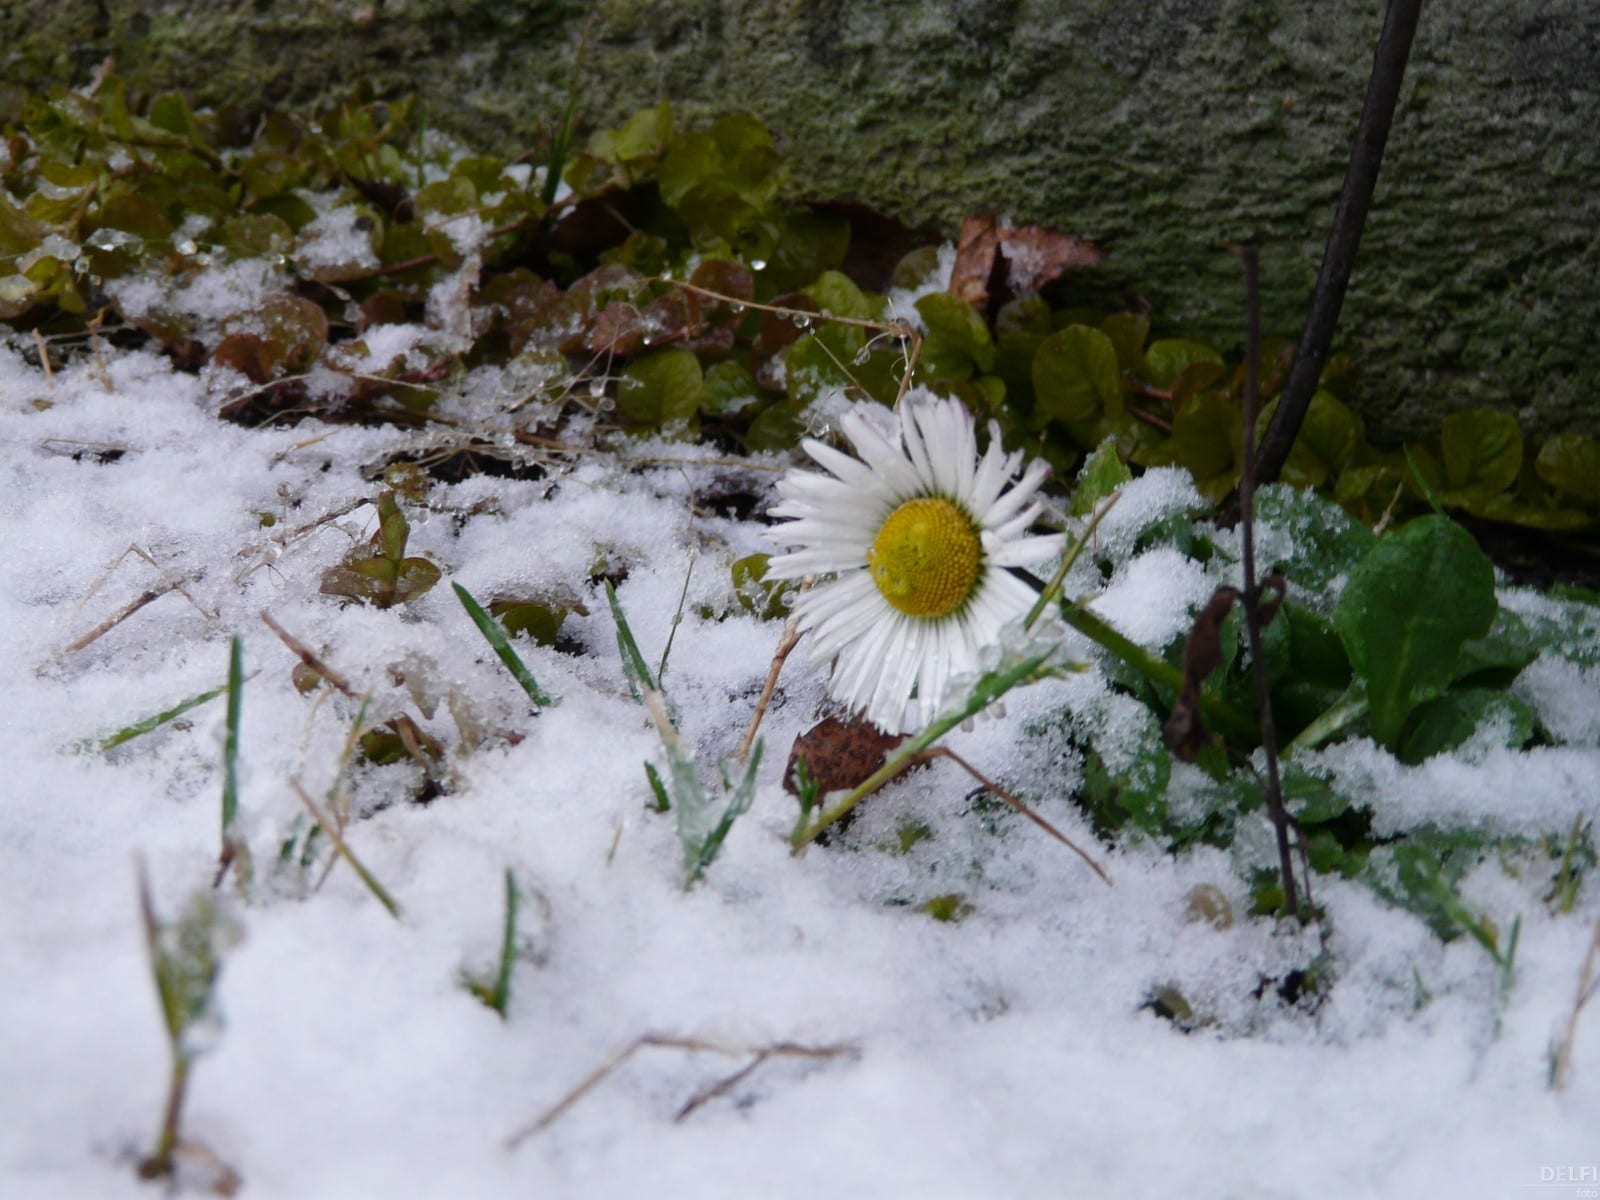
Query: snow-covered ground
(1008, 1054)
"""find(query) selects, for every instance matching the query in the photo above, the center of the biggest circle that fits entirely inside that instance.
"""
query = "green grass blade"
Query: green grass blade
(508, 946)
(633, 664)
(230, 746)
(495, 635)
(139, 728)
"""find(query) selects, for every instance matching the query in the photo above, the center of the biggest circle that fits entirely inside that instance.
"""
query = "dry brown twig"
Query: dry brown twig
(309, 659)
(673, 1042)
(1588, 986)
(786, 643)
(1016, 806)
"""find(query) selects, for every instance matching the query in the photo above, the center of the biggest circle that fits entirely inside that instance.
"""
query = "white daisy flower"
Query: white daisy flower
(915, 534)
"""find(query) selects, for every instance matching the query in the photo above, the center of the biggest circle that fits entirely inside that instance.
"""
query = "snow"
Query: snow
(1009, 1054)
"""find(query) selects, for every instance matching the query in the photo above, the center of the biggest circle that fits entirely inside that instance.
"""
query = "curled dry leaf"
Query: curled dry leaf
(993, 259)
(839, 754)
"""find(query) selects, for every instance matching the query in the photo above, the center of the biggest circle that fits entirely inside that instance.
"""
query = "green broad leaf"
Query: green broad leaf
(1512, 511)
(1023, 314)
(661, 387)
(1206, 436)
(641, 136)
(1103, 472)
(1482, 450)
(1509, 646)
(1570, 463)
(757, 595)
(1446, 723)
(1309, 538)
(393, 529)
(955, 329)
(1408, 607)
(836, 293)
(414, 577)
(728, 388)
(1327, 440)
(1128, 332)
(1075, 375)
(1166, 359)
(778, 427)
(495, 635)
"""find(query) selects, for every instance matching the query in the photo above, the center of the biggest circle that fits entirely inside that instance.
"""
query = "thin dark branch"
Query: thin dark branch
(1252, 586)
(1360, 180)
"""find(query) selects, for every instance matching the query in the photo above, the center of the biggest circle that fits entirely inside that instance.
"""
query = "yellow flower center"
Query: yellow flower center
(926, 558)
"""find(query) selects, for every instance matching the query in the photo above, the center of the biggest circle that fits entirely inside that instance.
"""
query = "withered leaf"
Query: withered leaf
(994, 261)
(1185, 730)
(839, 754)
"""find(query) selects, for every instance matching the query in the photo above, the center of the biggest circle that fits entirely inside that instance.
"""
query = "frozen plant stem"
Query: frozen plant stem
(1588, 985)
(1339, 259)
(1252, 586)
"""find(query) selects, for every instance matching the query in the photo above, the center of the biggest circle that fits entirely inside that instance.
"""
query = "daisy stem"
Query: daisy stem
(991, 687)
(1218, 712)
(1053, 588)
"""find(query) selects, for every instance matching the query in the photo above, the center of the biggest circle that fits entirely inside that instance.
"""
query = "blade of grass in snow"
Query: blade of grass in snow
(677, 619)
(633, 664)
(497, 995)
(700, 832)
(140, 728)
(230, 747)
(344, 852)
(495, 635)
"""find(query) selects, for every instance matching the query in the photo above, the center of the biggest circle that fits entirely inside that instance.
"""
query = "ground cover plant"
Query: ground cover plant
(487, 851)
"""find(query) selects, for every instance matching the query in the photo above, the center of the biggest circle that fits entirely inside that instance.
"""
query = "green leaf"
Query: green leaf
(1407, 609)
(642, 135)
(1164, 360)
(393, 529)
(496, 637)
(1482, 450)
(1327, 439)
(1103, 472)
(1570, 463)
(1314, 540)
(756, 594)
(1206, 434)
(661, 387)
(1444, 724)
(954, 328)
(1127, 332)
(836, 293)
(1075, 375)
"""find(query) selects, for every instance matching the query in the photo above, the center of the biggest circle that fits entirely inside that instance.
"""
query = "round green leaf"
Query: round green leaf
(660, 387)
(1408, 607)
(1075, 375)
(1165, 360)
(1482, 450)
(1570, 463)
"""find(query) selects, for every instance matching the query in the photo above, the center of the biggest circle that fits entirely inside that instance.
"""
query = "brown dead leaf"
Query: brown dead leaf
(994, 260)
(839, 754)
(1185, 730)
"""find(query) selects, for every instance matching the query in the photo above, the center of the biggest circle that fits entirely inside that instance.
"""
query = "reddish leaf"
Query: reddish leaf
(840, 754)
(994, 260)
(777, 332)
